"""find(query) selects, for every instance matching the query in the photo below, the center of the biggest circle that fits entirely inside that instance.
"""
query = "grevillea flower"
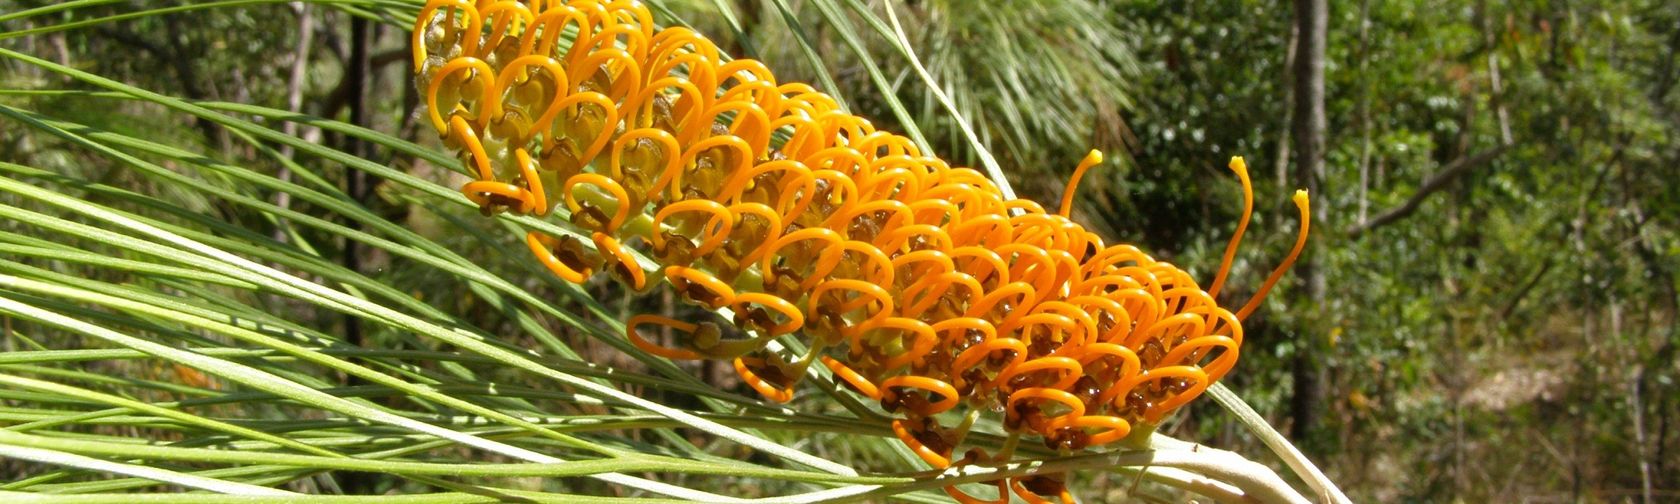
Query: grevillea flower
(916, 283)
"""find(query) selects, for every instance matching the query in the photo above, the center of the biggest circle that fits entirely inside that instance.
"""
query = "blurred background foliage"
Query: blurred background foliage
(1495, 224)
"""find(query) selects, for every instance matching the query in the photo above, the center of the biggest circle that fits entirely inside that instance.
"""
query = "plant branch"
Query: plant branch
(1434, 184)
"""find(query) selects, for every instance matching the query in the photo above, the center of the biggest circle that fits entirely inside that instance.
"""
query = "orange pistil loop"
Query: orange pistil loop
(533, 182)
(1094, 158)
(479, 70)
(1129, 366)
(916, 349)
(869, 294)
(851, 376)
(880, 270)
(468, 138)
(550, 23)
(1031, 327)
(826, 235)
(1200, 347)
(502, 16)
(489, 193)
(1302, 204)
(1199, 382)
(600, 142)
(930, 290)
(623, 86)
(795, 319)
(717, 294)
(670, 173)
(1237, 165)
(542, 247)
(975, 354)
(1033, 498)
(1114, 428)
(1084, 328)
(515, 73)
(965, 498)
(636, 339)
(1076, 407)
(622, 210)
(743, 153)
(1071, 371)
(956, 330)
(750, 124)
(774, 231)
(426, 14)
(947, 394)
(936, 459)
(739, 181)
(1016, 294)
(970, 258)
(621, 258)
(641, 106)
(924, 262)
(769, 390)
(715, 231)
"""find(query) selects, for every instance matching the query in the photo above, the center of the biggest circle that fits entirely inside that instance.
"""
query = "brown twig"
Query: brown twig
(1436, 183)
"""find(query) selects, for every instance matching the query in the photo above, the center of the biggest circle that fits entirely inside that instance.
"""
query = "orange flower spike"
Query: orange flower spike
(944, 292)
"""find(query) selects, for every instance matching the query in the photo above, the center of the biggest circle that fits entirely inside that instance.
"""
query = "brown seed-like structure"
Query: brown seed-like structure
(917, 284)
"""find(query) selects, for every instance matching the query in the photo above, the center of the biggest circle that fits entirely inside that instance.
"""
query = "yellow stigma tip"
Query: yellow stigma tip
(1095, 157)
(1238, 165)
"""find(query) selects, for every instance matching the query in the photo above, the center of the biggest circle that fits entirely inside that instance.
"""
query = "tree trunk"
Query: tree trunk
(1364, 110)
(294, 100)
(357, 75)
(1280, 164)
(1311, 21)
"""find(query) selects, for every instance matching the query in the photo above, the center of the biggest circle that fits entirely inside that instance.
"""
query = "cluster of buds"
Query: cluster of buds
(915, 283)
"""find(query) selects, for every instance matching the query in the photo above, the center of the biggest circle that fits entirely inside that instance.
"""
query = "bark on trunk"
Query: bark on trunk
(356, 76)
(1311, 21)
